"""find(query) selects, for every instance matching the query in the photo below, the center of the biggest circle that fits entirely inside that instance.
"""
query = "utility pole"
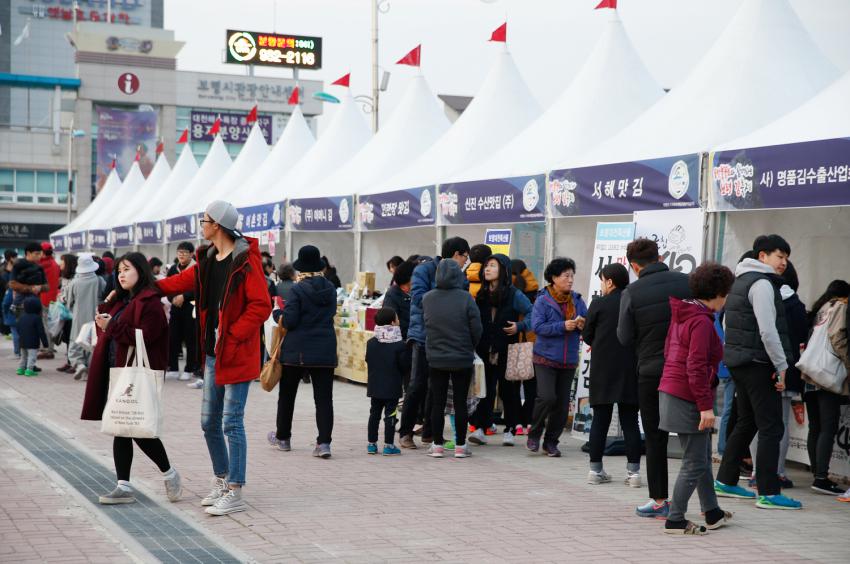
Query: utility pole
(375, 89)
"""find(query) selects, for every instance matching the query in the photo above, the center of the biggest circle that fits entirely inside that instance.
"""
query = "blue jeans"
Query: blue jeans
(16, 339)
(728, 400)
(222, 414)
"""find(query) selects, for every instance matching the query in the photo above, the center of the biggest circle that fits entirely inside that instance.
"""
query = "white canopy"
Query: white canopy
(133, 182)
(417, 122)
(190, 199)
(107, 192)
(826, 116)
(346, 134)
(502, 108)
(295, 141)
(250, 158)
(611, 89)
(148, 191)
(763, 65)
(184, 169)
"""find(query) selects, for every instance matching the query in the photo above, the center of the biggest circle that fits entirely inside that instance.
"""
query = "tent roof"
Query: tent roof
(416, 123)
(149, 189)
(826, 116)
(502, 108)
(346, 134)
(611, 89)
(292, 145)
(107, 192)
(763, 64)
(191, 196)
(250, 158)
(133, 182)
(184, 169)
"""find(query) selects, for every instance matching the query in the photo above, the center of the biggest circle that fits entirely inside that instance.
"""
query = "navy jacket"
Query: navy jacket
(308, 316)
(30, 326)
(387, 364)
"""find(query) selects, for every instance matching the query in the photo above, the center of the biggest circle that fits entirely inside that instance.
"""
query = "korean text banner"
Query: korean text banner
(256, 219)
(623, 188)
(333, 213)
(120, 134)
(678, 234)
(60, 243)
(149, 232)
(77, 241)
(123, 236)
(796, 175)
(234, 127)
(99, 238)
(507, 200)
(398, 209)
(182, 228)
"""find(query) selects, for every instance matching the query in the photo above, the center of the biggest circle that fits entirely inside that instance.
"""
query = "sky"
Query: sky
(549, 39)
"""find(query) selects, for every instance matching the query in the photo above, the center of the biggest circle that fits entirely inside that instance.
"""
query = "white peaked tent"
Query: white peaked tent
(250, 158)
(763, 65)
(125, 217)
(107, 192)
(817, 235)
(130, 188)
(295, 141)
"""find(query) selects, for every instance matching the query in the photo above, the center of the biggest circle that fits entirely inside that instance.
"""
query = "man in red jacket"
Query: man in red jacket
(232, 304)
(51, 272)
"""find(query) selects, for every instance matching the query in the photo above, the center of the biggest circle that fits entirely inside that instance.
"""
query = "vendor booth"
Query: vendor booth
(99, 229)
(72, 237)
(123, 232)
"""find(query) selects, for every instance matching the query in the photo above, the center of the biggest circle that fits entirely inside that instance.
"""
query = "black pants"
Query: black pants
(824, 409)
(122, 453)
(552, 405)
(181, 329)
(323, 380)
(415, 394)
(759, 410)
(655, 438)
(388, 407)
(439, 391)
(526, 414)
(628, 415)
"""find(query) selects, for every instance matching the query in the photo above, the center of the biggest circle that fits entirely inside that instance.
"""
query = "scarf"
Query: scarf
(305, 275)
(388, 333)
(568, 306)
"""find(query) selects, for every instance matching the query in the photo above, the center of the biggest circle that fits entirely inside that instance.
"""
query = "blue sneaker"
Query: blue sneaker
(723, 490)
(654, 510)
(372, 448)
(778, 501)
(390, 450)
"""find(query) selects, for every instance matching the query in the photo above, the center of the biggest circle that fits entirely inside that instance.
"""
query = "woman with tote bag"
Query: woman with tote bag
(134, 306)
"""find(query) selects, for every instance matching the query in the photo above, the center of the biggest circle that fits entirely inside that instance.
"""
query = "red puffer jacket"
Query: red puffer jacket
(692, 353)
(51, 272)
(245, 307)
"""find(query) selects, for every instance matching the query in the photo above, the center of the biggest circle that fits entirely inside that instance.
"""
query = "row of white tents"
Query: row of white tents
(764, 82)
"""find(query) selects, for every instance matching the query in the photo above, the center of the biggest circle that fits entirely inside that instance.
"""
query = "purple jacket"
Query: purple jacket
(553, 341)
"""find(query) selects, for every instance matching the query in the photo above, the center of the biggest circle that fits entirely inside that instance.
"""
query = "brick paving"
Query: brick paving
(501, 505)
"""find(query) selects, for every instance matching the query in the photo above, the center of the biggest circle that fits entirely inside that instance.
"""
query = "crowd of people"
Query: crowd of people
(452, 334)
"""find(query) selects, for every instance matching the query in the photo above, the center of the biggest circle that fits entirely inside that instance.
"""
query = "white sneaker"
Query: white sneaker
(197, 384)
(231, 502)
(219, 488)
(477, 438)
(172, 375)
(174, 487)
(597, 478)
(633, 480)
(508, 439)
(185, 376)
(80, 371)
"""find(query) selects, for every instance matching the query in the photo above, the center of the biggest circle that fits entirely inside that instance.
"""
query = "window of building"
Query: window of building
(45, 187)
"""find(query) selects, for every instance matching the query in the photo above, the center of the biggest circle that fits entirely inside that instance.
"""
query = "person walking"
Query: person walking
(135, 305)
(181, 325)
(232, 304)
(387, 361)
(309, 349)
(83, 298)
(453, 330)
(52, 275)
(643, 323)
(557, 320)
(757, 351)
(613, 378)
(692, 353)
(505, 314)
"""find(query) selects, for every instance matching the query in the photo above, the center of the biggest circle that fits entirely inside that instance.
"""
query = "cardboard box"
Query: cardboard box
(366, 280)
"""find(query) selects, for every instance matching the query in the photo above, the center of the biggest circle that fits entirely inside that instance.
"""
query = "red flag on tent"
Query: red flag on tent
(252, 115)
(293, 98)
(160, 147)
(500, 34)
(112, 166)
(138, 153)
(216, 127)
(607, 4)
(184, 137)
(342, 81)
(413, 58)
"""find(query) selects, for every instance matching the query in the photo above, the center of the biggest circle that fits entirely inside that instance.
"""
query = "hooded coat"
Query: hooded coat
(83, 298)
(452, 320)
(308, 316)
(424, 280)
(30, 326)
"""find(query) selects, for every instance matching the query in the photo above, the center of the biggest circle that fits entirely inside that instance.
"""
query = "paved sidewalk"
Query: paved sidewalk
(502, 505)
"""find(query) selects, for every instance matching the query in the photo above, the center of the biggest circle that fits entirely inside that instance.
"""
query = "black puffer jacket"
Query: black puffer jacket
(399, 300)
(308, 316)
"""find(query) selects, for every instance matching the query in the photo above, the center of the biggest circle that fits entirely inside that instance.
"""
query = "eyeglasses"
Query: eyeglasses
(203, 221)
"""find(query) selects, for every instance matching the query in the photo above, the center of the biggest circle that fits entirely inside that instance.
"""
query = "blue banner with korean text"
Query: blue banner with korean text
(623, 188)
(332, 213)
(505, 200)
(398, 209)
(77, 241)
(265, 217)
(149, 233)
(60, 243)
(182, 228)
(99, 238)
(795, 175)
(123, 236)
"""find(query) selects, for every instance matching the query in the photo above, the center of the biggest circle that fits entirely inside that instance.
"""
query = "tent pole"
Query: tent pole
(549, 233)
(287, 234)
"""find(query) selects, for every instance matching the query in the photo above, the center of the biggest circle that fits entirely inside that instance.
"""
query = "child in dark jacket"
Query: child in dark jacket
(386, 358)
(31, 331)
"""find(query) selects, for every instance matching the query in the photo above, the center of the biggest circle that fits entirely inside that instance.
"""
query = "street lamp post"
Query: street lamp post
(72, 133)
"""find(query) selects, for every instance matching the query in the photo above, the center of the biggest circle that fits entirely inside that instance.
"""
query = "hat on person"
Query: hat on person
(226, 216)
(86, 264)
(309, 260)
(46, 247)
